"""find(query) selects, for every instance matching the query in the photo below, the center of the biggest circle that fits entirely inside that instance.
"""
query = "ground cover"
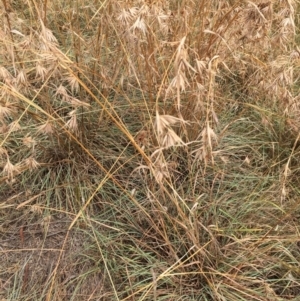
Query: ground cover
(149, 150)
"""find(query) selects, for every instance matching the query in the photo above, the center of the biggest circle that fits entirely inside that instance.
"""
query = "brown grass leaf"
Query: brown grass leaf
(5, 74)
(170, 138)
(180, 53)
(48, 35)
(140, 25)
(31, 163)
(72, 124)
(9, 169)
(77, 103)
(126, 16)
(14, 126)
(29, 141)
(40, 72)
(162, 122)
(5, 112)
(45, 128)
(211, 136)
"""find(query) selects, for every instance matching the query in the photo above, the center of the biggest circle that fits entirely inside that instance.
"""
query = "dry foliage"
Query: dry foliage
(149, 150)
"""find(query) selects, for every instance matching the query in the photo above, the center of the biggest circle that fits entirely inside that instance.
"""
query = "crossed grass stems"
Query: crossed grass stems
(163, 136)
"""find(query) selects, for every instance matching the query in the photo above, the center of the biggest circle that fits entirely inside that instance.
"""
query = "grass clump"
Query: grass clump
(149, 150)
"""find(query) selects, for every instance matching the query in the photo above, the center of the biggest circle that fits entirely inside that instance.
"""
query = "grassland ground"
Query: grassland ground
(149, 150)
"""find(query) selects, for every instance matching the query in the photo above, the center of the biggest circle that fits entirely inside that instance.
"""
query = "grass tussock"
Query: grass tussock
(149, 150)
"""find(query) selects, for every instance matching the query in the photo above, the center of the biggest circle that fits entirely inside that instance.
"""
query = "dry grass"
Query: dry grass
(149, 150)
